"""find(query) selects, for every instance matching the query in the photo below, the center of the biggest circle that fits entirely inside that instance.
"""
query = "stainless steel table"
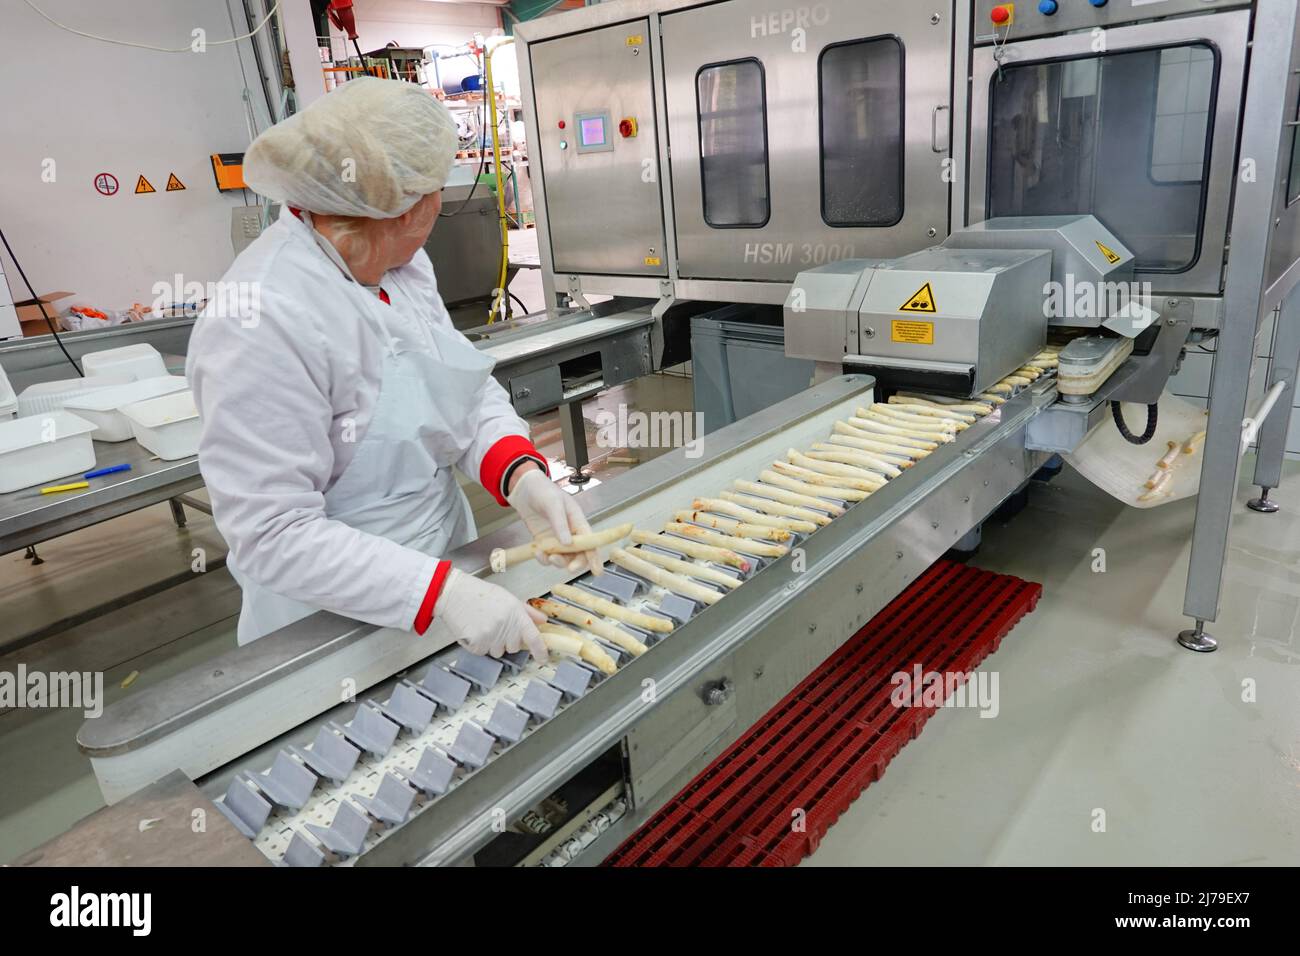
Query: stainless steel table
(28, 517)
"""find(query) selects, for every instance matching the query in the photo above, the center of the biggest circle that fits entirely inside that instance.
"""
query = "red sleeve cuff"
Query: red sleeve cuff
(500, 457)
(425, 617)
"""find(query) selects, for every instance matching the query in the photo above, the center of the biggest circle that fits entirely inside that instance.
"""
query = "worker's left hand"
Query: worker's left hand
(547, 510)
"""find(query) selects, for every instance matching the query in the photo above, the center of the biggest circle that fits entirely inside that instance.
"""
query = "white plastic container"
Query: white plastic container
(8, 400)
(133, 362)
(167, 426)
(50, 396)
(103, 408)
(40, 449)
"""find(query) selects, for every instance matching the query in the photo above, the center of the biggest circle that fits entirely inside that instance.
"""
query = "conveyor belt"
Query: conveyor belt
(835, 733)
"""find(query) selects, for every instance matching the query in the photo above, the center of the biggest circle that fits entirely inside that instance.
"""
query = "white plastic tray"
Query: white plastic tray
(103, 408)
(134, 362)
(168, 426)
(42, 448)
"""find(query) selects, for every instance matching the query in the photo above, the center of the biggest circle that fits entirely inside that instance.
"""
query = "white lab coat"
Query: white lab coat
(287, 395)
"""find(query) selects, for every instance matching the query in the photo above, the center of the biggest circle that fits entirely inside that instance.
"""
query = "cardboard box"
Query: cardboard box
(29, 313)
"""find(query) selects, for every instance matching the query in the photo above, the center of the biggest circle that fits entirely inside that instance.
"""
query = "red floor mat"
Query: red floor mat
(834, 734)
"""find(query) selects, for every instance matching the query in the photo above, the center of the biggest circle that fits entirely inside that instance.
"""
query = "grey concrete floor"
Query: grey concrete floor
(1099, 709)
(1103, 718)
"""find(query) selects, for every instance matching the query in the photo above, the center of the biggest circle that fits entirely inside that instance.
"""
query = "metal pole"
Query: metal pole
(1273, 435)
(1264, 121)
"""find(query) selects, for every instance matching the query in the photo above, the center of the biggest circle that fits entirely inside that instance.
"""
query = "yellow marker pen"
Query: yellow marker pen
(75, 486)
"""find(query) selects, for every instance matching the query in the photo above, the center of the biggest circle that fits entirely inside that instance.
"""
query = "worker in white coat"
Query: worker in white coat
(337, 399)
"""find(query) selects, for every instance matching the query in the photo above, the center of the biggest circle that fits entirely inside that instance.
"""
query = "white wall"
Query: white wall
(93, 107)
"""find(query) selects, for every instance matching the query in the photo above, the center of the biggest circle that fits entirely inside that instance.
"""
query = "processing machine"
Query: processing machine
(922, 188)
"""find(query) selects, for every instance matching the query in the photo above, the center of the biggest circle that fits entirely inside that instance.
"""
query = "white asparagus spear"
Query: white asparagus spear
(689, 569)
(1192, 444)
(995, 399)
(943, 401)
(1029, 372)
(976, 409)
(608, 608)
(851, 456)
(786, 496)
(810, 490)
(1018, 380)
(858, 444)
(664, 578)
(888, 434)
(1158, 489)
(750, 516)
(777, 508)
(503, 558)
(834, 468)
(1001, 388)
(762, 549)
(897, 413)
(931, 433)
(1044, 364)
(589, 622)
(731, 526)
(819, 479)
(561, 640)
(1171, 456)
(947, 412)
(693, 548)
(872, 441)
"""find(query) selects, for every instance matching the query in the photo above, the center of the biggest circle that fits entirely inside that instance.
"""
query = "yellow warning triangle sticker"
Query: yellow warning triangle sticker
(173, 184)
(1111, 255)
(922, 301)
(142, 186)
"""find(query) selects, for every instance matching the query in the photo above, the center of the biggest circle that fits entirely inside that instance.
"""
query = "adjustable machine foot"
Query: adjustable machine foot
(1197, 640)
(1262, 504)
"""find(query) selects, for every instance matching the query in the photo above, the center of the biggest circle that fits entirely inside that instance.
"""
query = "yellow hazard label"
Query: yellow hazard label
(635, 40)
(143, 185)
(174, 185)
(1111, 255)
(912, 332)
(652, 260)
(921, 301)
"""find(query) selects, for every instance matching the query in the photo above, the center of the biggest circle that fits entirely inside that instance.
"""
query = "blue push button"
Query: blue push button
(1099, 3)
(1048, 8)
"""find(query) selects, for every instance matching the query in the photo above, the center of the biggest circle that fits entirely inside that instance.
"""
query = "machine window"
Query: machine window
(861, 95)
(733, 144)
(1124, 136)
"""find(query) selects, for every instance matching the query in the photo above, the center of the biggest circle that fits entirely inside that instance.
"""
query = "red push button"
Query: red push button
(1000, 15)
(627, 127)
(561, 124)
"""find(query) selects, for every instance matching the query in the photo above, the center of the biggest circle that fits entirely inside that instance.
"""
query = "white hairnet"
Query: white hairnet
(371, 148)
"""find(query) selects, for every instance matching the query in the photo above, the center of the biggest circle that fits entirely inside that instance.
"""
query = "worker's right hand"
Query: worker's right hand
(487, 619)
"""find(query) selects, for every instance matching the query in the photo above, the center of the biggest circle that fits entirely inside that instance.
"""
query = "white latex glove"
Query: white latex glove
(547, 510)
(488, 619)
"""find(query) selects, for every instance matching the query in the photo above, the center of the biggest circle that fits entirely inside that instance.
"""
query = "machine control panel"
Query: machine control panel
(998, 21)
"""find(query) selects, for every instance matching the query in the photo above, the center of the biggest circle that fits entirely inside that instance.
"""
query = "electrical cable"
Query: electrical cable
(40, 305)
(145, 46)
(518, 300)
(1117, 411)
(478, 137)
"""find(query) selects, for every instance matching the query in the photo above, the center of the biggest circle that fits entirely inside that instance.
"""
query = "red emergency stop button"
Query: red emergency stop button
(627, 127)
(1000, 15)
(560, 124)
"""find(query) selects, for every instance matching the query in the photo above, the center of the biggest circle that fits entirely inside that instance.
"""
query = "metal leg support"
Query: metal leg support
(1197, 640)
(178, 511)
(1273, 434)
(573, 432)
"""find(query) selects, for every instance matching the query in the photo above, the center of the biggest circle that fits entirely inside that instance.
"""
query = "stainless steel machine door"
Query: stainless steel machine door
(1140, 132)
(596, 122)
(806, 135)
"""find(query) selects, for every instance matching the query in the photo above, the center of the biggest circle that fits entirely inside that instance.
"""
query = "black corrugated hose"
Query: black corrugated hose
(1152, 417)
